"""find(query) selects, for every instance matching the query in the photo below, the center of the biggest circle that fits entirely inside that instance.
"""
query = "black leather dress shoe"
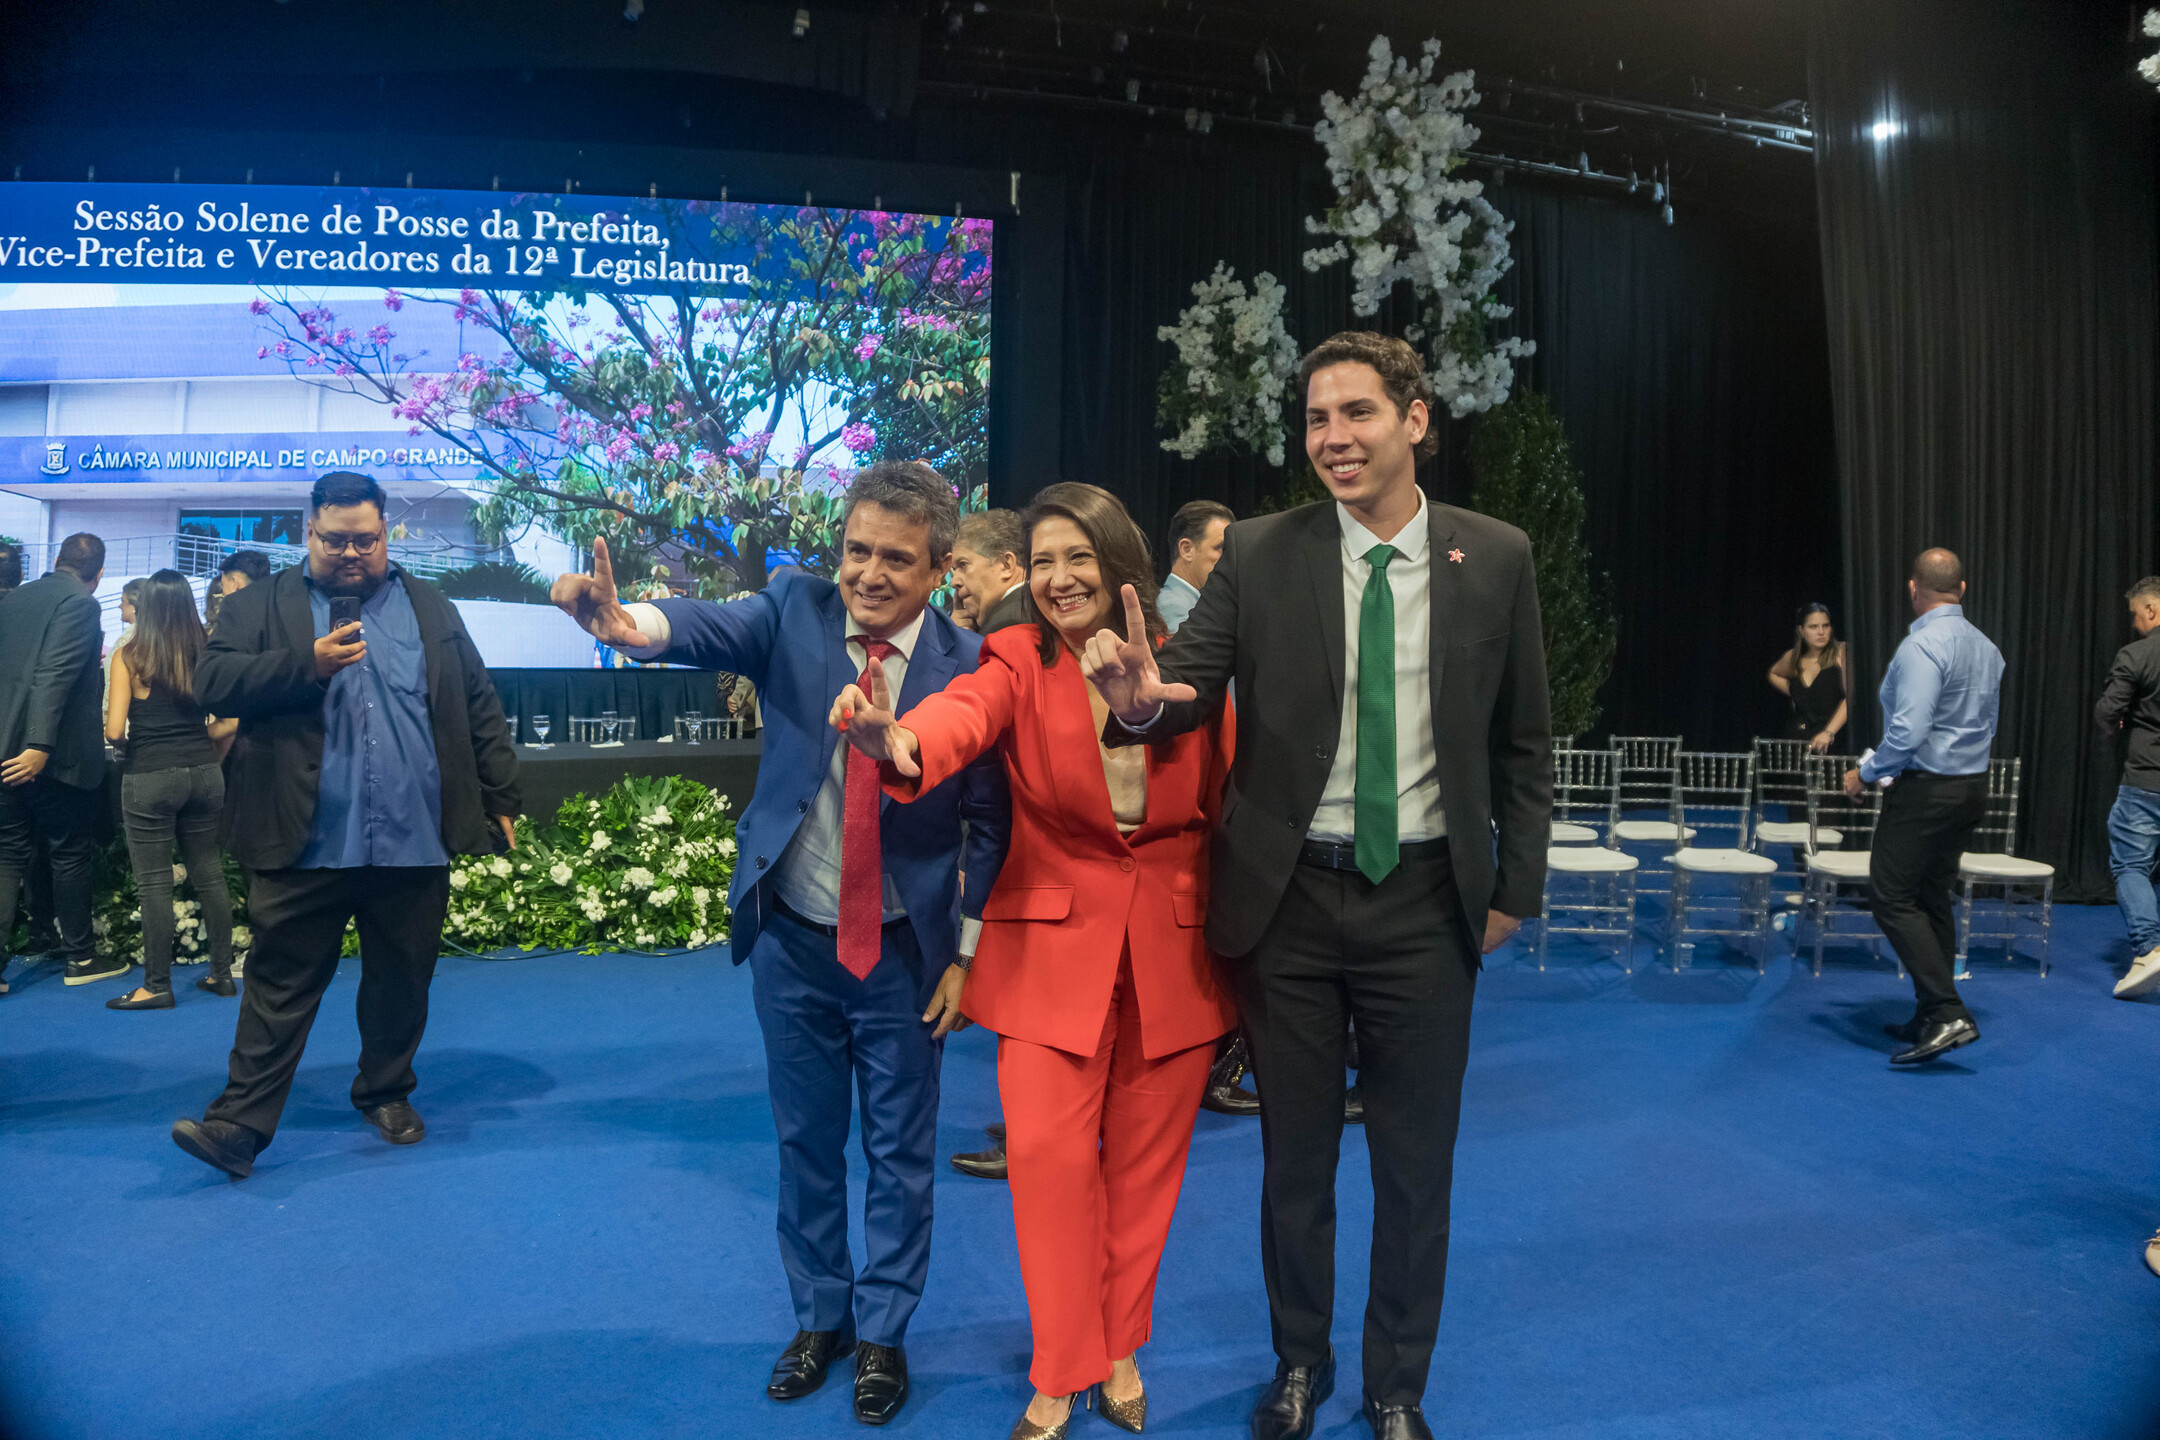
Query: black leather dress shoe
(399, 1122)
(217, 985)
(1397, 1422)
(1938, 1037)
(229, 1147)
(1907, 1032)
(982, 1164)
(155, 1000)
(880, 1382)
(1223, 1094)
(1286, 1411)
(801, 1367)
(1353, 1106)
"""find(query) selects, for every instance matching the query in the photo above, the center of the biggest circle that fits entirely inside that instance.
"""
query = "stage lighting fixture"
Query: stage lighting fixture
(802, 24)
(1883, 130)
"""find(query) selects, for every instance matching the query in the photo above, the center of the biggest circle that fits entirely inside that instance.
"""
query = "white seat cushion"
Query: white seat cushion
(1651, 830)
(1724, 862)
(1795, 832)
(1589, 860)
(2002, 867)
(1567, 832)
(1841, 864)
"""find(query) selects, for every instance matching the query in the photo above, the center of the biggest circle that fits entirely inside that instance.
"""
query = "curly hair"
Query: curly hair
(1402, 374)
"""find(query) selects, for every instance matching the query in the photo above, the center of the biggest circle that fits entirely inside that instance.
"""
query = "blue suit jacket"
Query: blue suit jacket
(791, 640)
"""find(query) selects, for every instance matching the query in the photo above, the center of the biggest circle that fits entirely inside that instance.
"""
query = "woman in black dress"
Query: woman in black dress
(1812, 676)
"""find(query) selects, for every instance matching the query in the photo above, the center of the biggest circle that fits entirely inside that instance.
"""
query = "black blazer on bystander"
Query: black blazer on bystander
(51, 685)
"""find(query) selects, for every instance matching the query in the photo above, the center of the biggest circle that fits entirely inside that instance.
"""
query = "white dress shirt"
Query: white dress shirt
(1418, 815)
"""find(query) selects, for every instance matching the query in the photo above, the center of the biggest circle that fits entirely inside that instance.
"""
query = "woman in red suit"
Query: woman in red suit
(1091, 968)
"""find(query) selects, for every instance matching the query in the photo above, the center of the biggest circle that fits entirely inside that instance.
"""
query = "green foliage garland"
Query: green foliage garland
(1526, 476)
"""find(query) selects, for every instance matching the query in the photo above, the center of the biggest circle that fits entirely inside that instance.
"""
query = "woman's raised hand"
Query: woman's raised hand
(1122, 668)
(869, 724)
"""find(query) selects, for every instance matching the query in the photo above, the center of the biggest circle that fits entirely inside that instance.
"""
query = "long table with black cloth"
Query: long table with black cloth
(653, 694)
(547, 777)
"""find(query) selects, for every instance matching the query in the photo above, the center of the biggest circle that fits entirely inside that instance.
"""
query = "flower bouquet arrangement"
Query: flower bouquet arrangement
(1402, 213)
(1233, 366)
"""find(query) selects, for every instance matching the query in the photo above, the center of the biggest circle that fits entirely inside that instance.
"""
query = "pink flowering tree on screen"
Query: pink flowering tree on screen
(653, 419)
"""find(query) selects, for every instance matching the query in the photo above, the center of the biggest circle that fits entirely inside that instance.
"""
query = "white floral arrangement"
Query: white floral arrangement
(645, 866)
(1401, 213)
(1233, 366)
(2149, 67)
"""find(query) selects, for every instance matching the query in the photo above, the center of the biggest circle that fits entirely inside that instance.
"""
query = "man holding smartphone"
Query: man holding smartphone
(372, 748)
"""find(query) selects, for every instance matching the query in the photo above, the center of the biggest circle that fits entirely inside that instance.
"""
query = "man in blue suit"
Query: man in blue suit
(846, 907)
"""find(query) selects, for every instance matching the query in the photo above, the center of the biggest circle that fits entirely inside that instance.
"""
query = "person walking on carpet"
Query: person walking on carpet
(1940, 699)
(1385, 823)
(1093, 971)
(369, 752)
(846, 907)
(2130, 707)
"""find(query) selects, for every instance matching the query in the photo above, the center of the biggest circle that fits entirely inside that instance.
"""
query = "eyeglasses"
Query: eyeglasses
(358, 544)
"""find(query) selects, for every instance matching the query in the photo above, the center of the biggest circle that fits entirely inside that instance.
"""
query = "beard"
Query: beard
(345, 580)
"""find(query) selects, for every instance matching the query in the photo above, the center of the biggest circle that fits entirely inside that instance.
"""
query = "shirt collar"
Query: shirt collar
(1173, 578)
(1409, 543)
(904, 640)
(1933, 615)
(1016, 585)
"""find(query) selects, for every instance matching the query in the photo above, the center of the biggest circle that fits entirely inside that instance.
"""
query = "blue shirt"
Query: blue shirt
(1940, 699)
(1175, 600)
(379, 798)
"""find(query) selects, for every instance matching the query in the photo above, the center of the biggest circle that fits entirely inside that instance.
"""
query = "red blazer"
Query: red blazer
(1074, 891)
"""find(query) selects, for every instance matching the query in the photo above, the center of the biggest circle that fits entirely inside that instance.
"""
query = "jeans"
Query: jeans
(2133, 844)
(66, 818)
(161, 806)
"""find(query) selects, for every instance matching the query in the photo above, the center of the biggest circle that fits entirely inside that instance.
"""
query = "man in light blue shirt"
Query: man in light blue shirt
(1196, 536)
(1940, 700)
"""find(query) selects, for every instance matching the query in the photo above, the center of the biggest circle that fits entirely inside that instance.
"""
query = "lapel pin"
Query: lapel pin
(1455, 555)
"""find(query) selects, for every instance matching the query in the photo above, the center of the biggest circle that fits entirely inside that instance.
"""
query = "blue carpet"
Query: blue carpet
(1694, 1204)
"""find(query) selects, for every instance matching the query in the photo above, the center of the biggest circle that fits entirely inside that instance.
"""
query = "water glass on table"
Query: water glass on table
(609, 723)
(540, 729)
(694, 723)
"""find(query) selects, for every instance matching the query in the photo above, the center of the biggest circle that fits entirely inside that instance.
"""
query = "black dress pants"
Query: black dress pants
(1927, 822)
(65, 819)
(1397, 959)
(299, 918)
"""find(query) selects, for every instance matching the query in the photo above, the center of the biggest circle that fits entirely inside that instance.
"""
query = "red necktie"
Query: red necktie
(862, 867)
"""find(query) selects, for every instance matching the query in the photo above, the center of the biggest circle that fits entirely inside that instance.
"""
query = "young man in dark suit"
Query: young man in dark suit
(52, 747)
(370, 751)
(846, 906)
(1385, 824)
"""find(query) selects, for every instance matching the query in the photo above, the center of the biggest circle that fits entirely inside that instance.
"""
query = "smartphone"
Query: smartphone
(344, 610)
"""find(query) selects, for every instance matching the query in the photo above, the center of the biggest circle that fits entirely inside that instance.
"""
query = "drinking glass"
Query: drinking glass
(608, 723)
(511, 722)
(540, 728)
(695, 720)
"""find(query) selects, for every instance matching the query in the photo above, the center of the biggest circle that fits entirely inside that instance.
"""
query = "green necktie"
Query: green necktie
(1377, 849)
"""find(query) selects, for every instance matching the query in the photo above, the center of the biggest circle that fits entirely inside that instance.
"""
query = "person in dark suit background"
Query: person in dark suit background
(1384, 825)
(52, 747)
(846, 906)
(987, 569)
(369, 752)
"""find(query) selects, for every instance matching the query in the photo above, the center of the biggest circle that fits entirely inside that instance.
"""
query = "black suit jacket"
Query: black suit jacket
(1271, 618)
(1011, 609)
(260, 669)
(51, 685)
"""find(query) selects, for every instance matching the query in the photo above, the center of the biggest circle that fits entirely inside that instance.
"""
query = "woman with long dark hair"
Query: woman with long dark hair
(1812, 676)
(171, 785)
(1092, 969)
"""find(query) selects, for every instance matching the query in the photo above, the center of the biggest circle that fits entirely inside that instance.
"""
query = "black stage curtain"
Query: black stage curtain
(1688, 361)
(1986, 194)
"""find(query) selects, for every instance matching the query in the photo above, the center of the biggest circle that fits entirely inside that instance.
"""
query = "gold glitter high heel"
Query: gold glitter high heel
(1026, 1429)
(1128, 1415)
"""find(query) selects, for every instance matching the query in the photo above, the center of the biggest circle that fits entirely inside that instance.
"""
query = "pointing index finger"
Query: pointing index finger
(1135, 622)
(603, 570)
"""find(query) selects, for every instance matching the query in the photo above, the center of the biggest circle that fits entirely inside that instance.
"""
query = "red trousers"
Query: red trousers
(1095, 1152)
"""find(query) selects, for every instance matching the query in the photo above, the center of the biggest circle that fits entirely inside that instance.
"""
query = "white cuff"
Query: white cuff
(652, 622)
(970, 937)
(1144, 726)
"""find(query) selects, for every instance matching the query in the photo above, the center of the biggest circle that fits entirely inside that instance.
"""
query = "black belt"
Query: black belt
(1330, 856)
(830, 932)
